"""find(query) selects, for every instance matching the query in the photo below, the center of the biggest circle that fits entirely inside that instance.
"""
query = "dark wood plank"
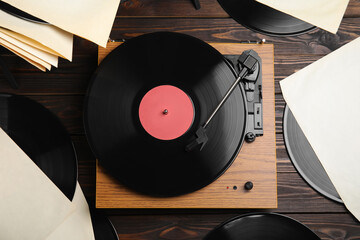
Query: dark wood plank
(279, 112)
(353, 9)
(185, 8)
(331, 226)
(69, 78)
(166, 8)
(196, 226)
(57, 82)
(227, 30)
(285, 65)
(284, 164)
(73, 78)
(295, 195)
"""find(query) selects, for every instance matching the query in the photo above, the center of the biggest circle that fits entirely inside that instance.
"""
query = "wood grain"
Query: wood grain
(227, 30)
(291, 53)
(196, 226)
(260, 168)
(185, 8)
(62, 91)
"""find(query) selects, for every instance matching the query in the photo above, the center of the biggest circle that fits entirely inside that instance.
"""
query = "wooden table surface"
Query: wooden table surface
(62, 91)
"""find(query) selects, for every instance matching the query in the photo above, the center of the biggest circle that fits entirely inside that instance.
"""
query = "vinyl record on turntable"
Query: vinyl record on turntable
(18, 13)
(264, 19)
(145, 103)
(259, 226)
(40, 134)
(304, 158)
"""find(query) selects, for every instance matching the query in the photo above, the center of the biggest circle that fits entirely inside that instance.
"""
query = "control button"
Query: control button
(248, 185)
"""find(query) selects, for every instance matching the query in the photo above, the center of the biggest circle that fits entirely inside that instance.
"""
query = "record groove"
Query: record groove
(304, 158)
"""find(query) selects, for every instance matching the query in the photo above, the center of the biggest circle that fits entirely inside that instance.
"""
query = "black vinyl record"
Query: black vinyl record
(304, 158)
(18, 13)
(42, 137)
(145, 163)
(103, 228)
(264, 19)
(260, 226)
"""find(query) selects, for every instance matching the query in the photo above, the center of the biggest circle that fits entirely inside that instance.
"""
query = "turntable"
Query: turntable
(181, 84)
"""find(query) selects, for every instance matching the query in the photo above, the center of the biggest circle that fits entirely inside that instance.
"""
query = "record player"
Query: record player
(194, 163)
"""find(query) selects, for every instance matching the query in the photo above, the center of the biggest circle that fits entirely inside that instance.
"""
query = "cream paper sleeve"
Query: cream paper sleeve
(28, 41)
(90, 19)
(325, 100)
(26, 55)
(46, 34)
(31, 206)
(326, 14)
(44, 56)
(77, 226)
(39, 66)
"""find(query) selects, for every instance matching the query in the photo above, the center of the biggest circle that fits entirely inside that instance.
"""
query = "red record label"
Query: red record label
(166, 112)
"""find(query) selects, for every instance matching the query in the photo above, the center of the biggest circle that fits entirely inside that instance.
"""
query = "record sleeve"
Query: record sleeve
(40, 134)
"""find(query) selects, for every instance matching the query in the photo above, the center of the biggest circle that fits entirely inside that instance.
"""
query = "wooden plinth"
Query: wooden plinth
(256, 161)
